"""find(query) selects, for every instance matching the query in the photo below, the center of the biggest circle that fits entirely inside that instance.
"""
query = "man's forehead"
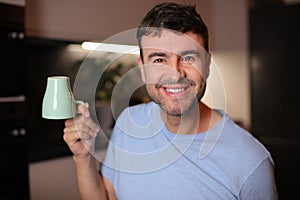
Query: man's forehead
(170, 41)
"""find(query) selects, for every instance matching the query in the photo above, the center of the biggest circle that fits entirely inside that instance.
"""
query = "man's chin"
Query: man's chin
(175, 111)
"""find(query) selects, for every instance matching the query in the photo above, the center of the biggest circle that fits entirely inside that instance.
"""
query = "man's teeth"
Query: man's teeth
(175, 90)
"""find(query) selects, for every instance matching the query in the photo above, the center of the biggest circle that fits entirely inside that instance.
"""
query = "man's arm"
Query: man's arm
(79, 134)
(90, 183)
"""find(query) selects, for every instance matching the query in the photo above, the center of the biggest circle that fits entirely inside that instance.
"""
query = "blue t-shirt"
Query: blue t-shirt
(146, 161)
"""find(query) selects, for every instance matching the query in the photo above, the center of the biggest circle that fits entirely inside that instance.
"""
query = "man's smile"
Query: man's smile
(176, 90)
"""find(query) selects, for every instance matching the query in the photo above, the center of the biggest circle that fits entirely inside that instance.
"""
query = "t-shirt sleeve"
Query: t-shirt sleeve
(261, 183)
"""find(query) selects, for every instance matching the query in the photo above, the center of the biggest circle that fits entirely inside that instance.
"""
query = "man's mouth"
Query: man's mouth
(175, 90)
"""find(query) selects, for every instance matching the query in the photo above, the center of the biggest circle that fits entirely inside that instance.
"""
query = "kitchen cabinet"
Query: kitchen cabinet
(82, 20)
(87, 20)
(13, 106)
(13, 151)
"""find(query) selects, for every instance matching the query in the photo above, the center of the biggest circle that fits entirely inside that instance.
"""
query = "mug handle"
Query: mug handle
(76, 103)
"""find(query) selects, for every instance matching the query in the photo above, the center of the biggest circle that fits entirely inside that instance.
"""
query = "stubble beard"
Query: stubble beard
(178, 107)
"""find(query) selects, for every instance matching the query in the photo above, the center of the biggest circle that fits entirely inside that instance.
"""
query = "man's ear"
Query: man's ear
(208, 59)
(208, 62)
(141, 66)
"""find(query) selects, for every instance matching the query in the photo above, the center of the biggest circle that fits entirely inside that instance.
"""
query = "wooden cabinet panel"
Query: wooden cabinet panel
(87, 20)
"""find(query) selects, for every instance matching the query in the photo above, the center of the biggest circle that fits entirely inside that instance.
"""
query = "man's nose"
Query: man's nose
(177, 66)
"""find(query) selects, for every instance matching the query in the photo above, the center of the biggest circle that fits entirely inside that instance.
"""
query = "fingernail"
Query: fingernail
(95, 133)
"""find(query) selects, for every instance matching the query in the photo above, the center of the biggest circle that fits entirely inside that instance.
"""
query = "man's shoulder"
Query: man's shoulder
(241, 152)
(245, 147)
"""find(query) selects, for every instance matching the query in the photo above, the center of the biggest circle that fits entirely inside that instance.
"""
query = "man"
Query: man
(174, 147)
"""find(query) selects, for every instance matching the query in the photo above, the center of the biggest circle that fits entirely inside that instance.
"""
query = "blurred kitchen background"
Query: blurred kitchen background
(254, 44)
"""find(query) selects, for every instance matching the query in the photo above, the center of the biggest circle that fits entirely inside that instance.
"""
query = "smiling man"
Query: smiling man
(174, 147)
(175, 67)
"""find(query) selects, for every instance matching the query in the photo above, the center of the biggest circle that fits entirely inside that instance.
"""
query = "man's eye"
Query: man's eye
(188, 59)
(158, 60)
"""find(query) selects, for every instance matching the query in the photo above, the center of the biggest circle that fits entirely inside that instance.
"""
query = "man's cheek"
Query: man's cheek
(202, 69)
(155, 73)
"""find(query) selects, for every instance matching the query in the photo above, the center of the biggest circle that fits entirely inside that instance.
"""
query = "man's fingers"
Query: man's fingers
(80, 128)
(84, 109)
(83, 124)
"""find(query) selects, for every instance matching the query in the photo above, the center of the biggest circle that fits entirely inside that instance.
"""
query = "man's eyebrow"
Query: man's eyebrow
(154, 54)
(163, 54)
(197, 53)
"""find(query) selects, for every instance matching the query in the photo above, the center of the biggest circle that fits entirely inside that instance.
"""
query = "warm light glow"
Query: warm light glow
(115, 48)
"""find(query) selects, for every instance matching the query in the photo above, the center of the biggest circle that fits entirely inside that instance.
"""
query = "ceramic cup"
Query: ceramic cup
(58, 101)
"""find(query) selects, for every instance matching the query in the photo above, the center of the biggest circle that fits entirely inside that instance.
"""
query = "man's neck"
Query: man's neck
(198, 120)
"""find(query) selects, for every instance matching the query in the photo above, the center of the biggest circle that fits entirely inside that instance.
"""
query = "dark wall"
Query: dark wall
(43, 58)
(274, 42)
(274, 48)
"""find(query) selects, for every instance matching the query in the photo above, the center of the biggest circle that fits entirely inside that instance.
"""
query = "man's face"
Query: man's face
(175, 68)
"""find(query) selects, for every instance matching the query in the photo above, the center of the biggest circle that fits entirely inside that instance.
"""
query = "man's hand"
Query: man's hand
(80, 132)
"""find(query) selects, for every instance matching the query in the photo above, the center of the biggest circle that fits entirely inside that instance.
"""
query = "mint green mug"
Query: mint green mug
(58, 101)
